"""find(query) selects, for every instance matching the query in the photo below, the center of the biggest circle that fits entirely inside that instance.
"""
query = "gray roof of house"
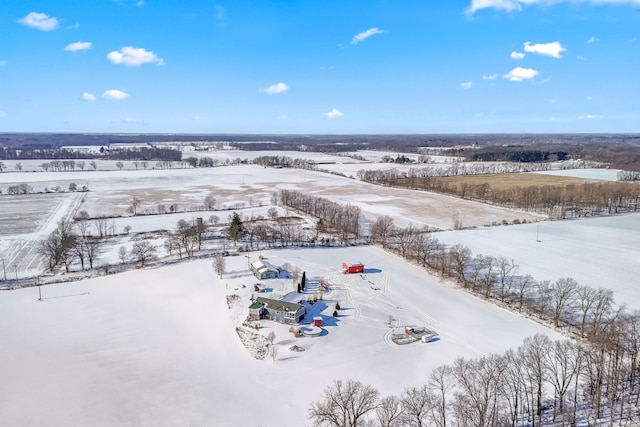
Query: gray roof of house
(278, 305)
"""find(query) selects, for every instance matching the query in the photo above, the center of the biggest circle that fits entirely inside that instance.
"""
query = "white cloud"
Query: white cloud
(276, 88)
(517, 55)
(134, 57)
(519, 74)
(221, 11)
(88, 97)
(593, 40)
(517, 5)
(553, 49)
(333, 114)
(490, 77)
(115, 94)
(589, 117)
(40, 21)
(78, 46)
(365, 35)
(466, 85)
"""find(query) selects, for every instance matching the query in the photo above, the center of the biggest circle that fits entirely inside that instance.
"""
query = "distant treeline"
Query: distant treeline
(525, 156)
(143, 153)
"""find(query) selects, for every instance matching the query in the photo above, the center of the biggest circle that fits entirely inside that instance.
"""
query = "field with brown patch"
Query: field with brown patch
(508, 181)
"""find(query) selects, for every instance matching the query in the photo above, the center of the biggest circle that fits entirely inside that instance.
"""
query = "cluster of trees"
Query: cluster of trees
(144, 154)
(519, 155)
(30, 153)
(186, 238)
(542, 382)
(66, 165)
(19, 189)
(28, 189)
(629, 175)
(284, 161)
(333, 217)
(572, 200)
(68, 242)
(392, 176)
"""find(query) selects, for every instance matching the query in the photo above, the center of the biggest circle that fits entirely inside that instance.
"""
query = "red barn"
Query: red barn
(352, 267)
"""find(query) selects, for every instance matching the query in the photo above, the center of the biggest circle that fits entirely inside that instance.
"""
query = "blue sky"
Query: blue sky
(303, 67)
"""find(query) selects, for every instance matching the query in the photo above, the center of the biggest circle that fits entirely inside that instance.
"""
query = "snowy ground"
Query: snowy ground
(158, 347)
(597, 252)
(246, 189)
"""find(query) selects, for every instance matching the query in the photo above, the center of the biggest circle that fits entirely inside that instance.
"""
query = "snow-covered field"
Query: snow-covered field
(597, 252)
(158, 347)
(246, 189)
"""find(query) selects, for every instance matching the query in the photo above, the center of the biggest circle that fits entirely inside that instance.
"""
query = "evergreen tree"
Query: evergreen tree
(304, 280)
(236, 228)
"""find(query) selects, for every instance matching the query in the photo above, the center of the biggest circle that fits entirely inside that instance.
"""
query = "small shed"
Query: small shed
(352, 267)
(263, 269)
(317, 321)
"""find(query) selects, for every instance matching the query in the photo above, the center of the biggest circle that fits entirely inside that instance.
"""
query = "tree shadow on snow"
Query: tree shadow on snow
(372, 270)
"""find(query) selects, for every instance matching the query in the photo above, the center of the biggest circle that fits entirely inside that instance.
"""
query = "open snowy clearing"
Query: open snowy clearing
(601, 252)
(158, 346)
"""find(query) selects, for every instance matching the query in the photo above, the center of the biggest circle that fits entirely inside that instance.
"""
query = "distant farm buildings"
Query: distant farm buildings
(263, 269)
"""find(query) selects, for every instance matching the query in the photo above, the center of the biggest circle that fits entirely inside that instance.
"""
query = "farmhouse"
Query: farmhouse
(263, 269)
(352, 267)
(278, 310)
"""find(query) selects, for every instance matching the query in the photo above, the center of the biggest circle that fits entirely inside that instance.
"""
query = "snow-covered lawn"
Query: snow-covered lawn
(158, 346)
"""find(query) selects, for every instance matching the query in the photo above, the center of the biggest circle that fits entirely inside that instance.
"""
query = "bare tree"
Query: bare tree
(344, 404)
(272, 212)
(101, 225)
(479, 382)
(382, 229)
(219, 264)
(119, 165)
(563, 292)
(59, 246)
(122, 254)
(134, 205)
(417, 403)
(563, 363)
(507, 269)
(93, 165)
(143, 252)
(209, 202)
(93, 248)
(533, 352)
(389, 412)
(440, 384)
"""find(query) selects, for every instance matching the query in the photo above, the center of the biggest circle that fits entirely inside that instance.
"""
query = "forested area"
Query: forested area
(141, 153)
